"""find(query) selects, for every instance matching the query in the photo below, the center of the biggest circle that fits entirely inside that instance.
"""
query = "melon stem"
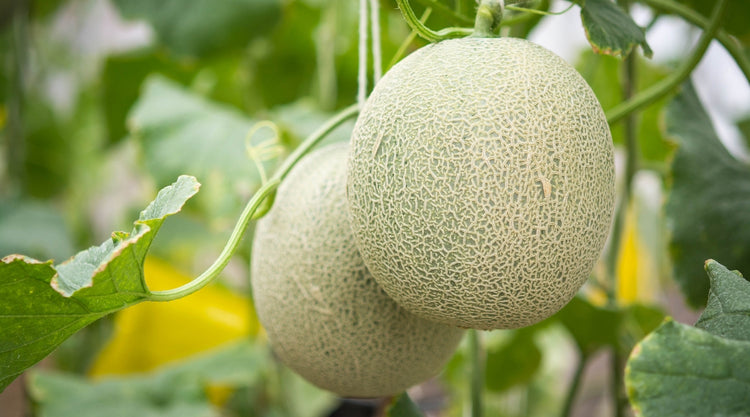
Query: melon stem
(489, 15)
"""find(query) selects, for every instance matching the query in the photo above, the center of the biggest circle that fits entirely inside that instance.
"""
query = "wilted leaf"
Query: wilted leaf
(403, 406)
(679, 370)
(610, 30)
(176, 391)
(44, 305)
(727, 313)
(204, 27)
(707, 209)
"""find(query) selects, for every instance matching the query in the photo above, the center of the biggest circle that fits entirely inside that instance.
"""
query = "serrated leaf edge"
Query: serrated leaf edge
(141, 228)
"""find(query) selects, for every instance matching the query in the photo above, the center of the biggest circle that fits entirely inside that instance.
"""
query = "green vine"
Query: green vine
(409, 39)
(733, 47)
(477, 360)
(251, 210)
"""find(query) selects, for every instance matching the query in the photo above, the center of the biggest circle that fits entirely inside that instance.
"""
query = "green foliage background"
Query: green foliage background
(91, 128)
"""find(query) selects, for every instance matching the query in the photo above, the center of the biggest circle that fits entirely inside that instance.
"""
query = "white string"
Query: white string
(377, 55)
(362, 70)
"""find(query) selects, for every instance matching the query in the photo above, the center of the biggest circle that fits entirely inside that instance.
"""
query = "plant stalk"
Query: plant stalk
(619, 400)
(574, 384)
(731, 45)
(477, 358)
(489, 15)
(16, 151)
(666, 85)
(250, 211)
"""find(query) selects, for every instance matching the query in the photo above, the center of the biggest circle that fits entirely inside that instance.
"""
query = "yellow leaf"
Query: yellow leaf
(151, 334)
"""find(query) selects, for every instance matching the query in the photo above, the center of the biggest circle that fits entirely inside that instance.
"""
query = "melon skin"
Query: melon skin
(481, 182)
(326, 318)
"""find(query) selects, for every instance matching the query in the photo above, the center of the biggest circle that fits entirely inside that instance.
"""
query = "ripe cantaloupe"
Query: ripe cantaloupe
(481, 182)
(325, 316)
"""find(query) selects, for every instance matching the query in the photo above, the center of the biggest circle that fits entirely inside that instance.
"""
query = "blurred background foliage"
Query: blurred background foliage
(106, 101)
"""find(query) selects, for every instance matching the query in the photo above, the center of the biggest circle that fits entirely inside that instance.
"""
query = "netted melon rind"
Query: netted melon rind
(481, 182)
(325, 316)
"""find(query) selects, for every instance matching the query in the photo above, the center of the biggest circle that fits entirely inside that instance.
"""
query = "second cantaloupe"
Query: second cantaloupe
(324, 315)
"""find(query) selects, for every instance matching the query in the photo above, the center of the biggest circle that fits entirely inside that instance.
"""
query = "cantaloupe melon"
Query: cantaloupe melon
(481, 182)
(325, 316)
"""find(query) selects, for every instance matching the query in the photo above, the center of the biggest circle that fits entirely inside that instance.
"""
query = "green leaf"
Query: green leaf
(205, 27)
(122, 77)
(179, 390)
(403, 406)
(181, 132)
(610, 30)
(727, 313)
(707, 208)
(592, 327)
(34, 228)
(514, 363)
(679, 370)
(44, 305)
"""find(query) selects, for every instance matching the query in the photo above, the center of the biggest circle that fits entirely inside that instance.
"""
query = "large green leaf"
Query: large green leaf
(178, 391)
(610, 30)
(727, 313)
(679, 370)
(204, 27)
(707, 208)
(43, 305)
(121, 81)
